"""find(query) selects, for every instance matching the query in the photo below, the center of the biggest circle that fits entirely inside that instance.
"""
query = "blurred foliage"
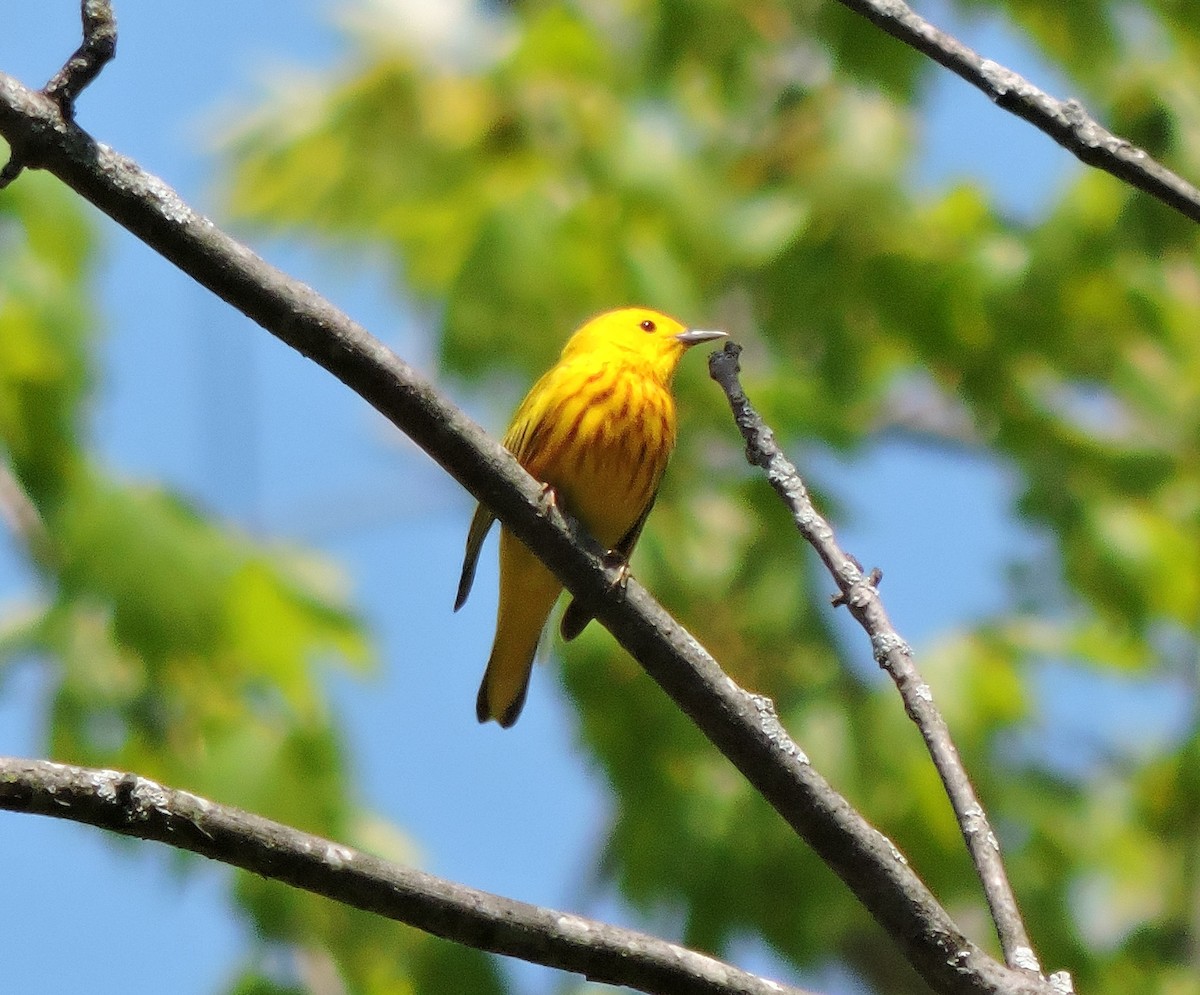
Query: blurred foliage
(527, 164)
(746, 164)
(178, 647)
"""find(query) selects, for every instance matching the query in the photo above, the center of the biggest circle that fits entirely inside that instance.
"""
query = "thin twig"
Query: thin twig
(1066, 121)
(136, 806)
(97, 49)
(743, 727)
(858, 592)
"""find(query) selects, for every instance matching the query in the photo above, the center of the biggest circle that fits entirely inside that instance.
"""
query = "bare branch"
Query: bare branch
(98, 48)
(1066, 121)
(136, 806)
(858, 591)
(743, 727)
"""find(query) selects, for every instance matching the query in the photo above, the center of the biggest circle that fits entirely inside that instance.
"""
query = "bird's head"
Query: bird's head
(638, 335)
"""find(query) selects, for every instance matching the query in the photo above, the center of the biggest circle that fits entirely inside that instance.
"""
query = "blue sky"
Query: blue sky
(194, 395)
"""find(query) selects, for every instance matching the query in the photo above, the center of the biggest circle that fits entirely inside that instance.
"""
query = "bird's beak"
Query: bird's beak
(694, 336)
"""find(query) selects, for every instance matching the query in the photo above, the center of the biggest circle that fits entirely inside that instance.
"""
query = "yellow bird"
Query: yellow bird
(597, 428)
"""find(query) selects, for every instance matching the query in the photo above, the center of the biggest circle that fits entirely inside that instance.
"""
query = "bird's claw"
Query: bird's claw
(551, 509)
(548, 497)
(613, 560)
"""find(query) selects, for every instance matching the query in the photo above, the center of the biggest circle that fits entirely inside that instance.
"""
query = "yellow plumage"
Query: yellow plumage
(598, 428)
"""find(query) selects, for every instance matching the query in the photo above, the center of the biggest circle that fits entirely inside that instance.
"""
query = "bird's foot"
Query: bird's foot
(614, 561)
(550, 507)
(548, 498)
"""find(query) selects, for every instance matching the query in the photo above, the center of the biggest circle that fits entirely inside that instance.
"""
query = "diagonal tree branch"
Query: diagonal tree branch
(859, 593)
(98, 49)
(136, 806)
(742, 726)
(1066, 121)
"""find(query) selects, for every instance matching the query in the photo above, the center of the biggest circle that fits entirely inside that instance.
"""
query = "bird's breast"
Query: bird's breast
(612, 453)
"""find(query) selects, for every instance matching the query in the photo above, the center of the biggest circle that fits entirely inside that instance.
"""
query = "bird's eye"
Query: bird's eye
(647, 325)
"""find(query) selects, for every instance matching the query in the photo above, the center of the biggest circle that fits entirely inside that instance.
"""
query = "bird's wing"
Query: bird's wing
(523, 439)
(576, 617)
(480, 524)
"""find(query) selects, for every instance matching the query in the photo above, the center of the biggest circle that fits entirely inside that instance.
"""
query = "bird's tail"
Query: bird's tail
(527, 594)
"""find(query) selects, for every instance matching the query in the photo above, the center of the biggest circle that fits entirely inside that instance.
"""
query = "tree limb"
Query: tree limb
(97, 49)
(742, 726)
(136, 806)
(859, 593)
(1066, 121)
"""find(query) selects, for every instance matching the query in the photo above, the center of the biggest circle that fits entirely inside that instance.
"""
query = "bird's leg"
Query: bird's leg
(550, 508)
(548, 497)
(616, 560)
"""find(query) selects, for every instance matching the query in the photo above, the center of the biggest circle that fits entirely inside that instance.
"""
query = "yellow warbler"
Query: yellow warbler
(597, 429)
